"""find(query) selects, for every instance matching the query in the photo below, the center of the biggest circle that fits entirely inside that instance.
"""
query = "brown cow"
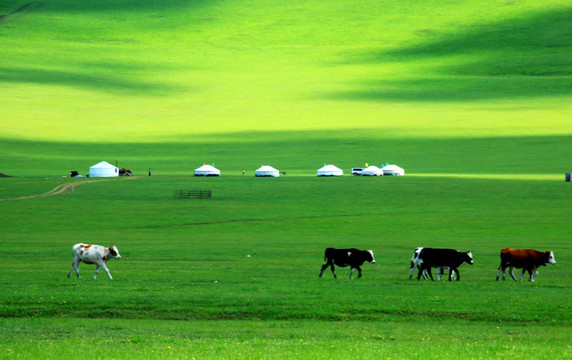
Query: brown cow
(527, 260)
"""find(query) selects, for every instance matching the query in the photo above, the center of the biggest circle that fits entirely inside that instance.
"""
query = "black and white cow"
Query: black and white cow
(93, 254)
(429, 257)
(353, 258)
(416, 263)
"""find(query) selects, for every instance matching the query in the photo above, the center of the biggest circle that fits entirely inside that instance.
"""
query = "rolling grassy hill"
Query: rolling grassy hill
(156, 71)
(323, 81)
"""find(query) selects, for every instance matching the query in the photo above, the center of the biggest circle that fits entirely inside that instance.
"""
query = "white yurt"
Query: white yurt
(266, 171)
(207, 170)
(372, 171)
(392, 170)
(330, 170)
(103, 169)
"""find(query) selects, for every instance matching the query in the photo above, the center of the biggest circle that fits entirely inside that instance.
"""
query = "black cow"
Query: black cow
(344, 257)
(416, 263)
(429, 258)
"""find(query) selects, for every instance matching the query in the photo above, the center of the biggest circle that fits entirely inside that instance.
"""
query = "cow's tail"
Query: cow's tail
(326, 257)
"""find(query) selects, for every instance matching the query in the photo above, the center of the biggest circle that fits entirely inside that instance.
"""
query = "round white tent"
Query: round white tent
(330, 170)
(103, 169)
(392, 170)
(372, 171)
(266, 171)
(207, 170)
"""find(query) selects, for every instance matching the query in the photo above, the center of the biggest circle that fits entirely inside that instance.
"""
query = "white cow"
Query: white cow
(93, 254)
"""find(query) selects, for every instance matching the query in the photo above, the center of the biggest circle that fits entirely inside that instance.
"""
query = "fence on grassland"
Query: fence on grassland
(192, 194)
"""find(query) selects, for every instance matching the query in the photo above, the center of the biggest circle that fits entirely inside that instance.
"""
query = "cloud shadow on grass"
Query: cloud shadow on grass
(529, 56)
(544, 32)
(91, 81)
(127, 78)
(457, 88)
(105, 6)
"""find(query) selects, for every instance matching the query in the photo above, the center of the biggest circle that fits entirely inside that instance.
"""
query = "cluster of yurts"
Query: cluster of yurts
(326, 170)
(105, 169)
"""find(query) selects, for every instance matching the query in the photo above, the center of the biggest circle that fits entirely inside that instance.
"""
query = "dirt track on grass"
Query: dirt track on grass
(58, 190)
(26, 7)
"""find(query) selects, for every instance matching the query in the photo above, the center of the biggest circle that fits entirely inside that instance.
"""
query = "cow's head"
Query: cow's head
(114, 252)
(469, 259)
(372, 260)
(551, 257)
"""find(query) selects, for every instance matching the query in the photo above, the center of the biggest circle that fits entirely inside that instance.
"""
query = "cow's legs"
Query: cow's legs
(511, 272)
(501, 270)
(104, 267)
(75, 266)
(534, 274)
(418, 266)
(411, 270)
(324, 267)
(422, 272)
(441, 272)
(452, 272)
(522, 274)
(352, 272)
(429, 272)
(72, 269)
(334, 271)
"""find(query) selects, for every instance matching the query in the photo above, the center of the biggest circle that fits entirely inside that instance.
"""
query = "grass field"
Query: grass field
(472, 98)
(187, 287)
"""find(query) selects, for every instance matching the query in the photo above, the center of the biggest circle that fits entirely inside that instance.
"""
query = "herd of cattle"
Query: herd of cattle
(426, 258)
(423, 259)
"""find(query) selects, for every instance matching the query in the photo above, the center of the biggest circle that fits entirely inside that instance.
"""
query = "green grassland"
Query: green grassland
(237, 275)
(472, 98)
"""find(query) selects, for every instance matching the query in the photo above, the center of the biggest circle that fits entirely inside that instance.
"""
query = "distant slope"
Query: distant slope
(157, 70)
(528, 56)
(536, 44)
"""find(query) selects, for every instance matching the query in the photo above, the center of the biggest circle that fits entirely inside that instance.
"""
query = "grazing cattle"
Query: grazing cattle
(429, 258)
(93, 254)
(125, 172)
(416, 263)
(346, 257)
(527, 260)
